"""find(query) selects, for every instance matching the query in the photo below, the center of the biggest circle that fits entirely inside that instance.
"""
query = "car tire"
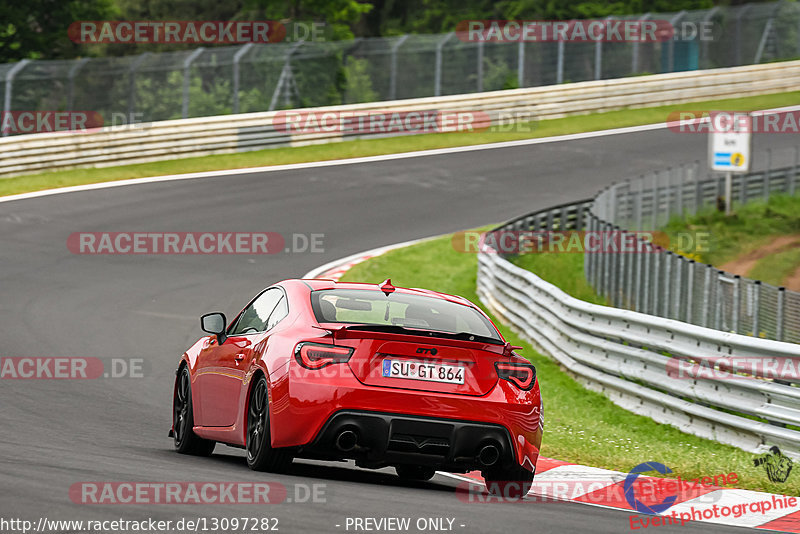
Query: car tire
(415, 472)
(186, 441)
(509, 483)
(261, 456)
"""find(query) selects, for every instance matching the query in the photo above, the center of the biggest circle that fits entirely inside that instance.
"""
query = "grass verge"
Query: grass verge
(581, 426)
(749, 228)
(372, 147)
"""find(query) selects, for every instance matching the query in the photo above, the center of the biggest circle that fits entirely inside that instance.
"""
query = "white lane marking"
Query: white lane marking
(352, 161)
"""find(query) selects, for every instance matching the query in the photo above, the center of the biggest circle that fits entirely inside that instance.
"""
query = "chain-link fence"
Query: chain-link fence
(669, 284)
(262, 77)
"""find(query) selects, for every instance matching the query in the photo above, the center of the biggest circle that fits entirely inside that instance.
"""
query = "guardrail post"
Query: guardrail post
(767, 175)
(10, 88)
(689, 290)
(793, 179)
(393, 72)
(737, 281)
(756, 306)
(132, 82)
(187, 63)
(73, 71)
(706, 296)
(779, 313)
(437, 83)
(237, 57)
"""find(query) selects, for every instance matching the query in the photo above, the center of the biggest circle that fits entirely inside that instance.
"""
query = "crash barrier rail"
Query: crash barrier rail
(308, 71)
(139, 143)
(644, 363)
(669, 284)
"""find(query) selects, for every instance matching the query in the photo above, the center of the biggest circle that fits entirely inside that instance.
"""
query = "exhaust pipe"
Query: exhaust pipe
(488, 455)
(346, 441)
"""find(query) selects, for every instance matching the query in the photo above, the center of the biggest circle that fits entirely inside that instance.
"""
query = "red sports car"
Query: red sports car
(383, 375)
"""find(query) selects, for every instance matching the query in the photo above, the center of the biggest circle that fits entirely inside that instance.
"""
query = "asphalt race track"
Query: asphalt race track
(55, 303)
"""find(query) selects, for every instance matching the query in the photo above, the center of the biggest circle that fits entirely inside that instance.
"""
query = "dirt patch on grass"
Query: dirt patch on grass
(744, 263)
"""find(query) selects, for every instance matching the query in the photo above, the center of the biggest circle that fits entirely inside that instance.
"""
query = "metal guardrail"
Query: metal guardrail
(668, 284)
(627, 355)
(253, 131)
(262, 77)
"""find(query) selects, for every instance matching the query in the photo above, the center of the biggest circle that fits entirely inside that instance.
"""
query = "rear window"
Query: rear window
(371, 307)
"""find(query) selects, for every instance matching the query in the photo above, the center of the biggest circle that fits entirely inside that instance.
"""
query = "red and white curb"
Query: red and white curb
(564, 482)
(561, 481)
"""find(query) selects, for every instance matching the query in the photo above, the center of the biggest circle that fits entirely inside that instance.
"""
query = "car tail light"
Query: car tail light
(317, 356)
(522, 375)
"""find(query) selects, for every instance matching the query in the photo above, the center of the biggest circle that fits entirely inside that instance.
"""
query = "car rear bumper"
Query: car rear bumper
(306, 407)
(377, 439)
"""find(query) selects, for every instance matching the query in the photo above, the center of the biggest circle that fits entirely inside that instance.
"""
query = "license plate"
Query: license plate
(429, 372)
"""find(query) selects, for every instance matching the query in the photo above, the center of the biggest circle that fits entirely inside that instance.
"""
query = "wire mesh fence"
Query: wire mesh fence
(668, 283)
(261, 77)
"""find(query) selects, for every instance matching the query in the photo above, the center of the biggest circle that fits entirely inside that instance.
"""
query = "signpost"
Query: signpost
(730, 147)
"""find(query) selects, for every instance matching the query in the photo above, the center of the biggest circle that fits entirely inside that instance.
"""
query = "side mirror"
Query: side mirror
(214, 323)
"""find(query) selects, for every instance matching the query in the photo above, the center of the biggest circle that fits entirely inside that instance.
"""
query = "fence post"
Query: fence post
(706, 308)
(668, 196)
(598, 54)
(437, 87)
(739, 15)
(656, 199)
(743, 178)
(638, 204)
(780, 313)
(10, 88)
(236, 59)
(681, 174)
(646, 281)
(132, 82)
(187, 63)
(704, 42)
(737, 282)
(635, 47)
(676, 311)
(656, 279)
(393, 73)
(479, 72)
(767, 175)
(560, 62)
(718, 300)
(667, 284)
(793, 179)
(756, 306)
(689, 290)
(73, 71)
(521, 63)
(638, 285)
(674, 20)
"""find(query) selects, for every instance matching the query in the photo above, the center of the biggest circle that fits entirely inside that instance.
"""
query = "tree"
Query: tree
(36, 29)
